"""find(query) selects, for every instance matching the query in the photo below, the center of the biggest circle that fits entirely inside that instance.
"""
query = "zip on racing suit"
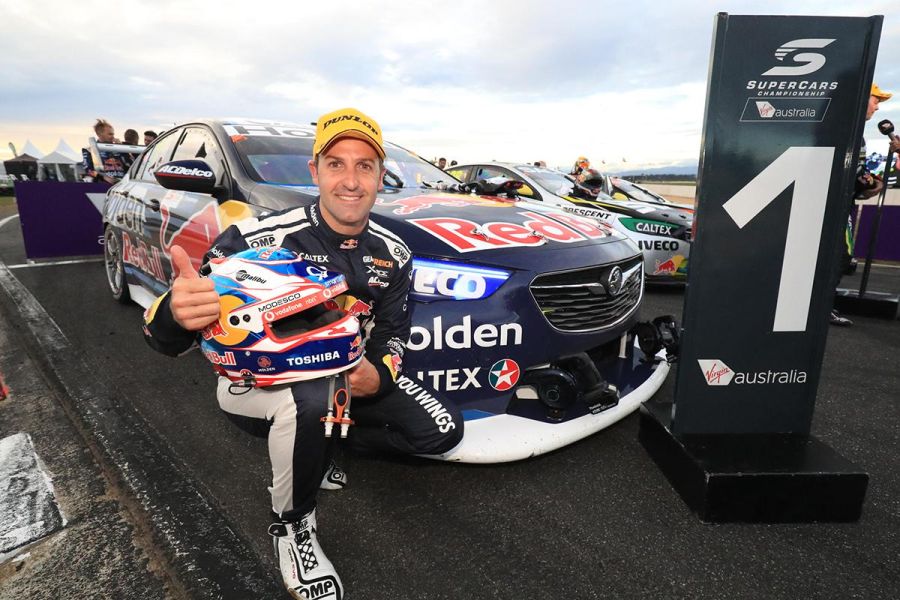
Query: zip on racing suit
(377, 266)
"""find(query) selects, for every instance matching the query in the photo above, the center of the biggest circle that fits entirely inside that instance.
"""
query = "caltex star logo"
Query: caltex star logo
(504, 374)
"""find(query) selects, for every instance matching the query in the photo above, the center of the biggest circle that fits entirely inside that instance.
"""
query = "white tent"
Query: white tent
(59, 165)
(32, 150)
(66, 150)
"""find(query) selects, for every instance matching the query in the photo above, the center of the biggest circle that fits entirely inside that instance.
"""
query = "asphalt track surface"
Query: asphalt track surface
(593, 520)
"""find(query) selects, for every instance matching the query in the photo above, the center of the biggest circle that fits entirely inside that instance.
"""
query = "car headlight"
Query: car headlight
(445, 280)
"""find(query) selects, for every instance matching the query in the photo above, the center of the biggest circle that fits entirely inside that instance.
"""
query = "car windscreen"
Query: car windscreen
(557, 182)
(551, 180)
(636, 192)
(283, 161)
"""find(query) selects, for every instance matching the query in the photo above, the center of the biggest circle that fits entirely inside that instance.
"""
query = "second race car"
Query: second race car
(662, 231)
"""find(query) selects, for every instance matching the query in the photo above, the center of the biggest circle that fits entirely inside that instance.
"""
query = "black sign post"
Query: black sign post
(785, 111)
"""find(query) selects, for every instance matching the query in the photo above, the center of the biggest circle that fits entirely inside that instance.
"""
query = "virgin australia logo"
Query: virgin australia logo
(766, 110)
(805, 62)
(715, 372)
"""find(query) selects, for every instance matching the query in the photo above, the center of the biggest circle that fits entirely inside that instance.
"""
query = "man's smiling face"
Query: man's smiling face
(349, 174)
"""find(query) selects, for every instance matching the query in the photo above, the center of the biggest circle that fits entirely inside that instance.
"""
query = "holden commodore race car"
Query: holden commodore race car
(662, 231)
(523, 317)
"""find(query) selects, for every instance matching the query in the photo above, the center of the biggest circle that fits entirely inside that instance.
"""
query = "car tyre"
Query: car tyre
(115, 265)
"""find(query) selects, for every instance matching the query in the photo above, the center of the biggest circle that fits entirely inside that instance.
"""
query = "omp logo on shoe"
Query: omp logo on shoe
(805, 62)
(324, 589)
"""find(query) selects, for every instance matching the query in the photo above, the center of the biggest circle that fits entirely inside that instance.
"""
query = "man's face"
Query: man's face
(107, 135)
(442, 163)
(148, 139)
(349, 176)
(872, 108)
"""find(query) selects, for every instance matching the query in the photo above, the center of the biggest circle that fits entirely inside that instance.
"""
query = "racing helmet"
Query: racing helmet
(591, 182)
(277, 322)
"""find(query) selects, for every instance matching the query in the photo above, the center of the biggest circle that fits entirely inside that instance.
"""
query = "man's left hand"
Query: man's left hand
(364, 379)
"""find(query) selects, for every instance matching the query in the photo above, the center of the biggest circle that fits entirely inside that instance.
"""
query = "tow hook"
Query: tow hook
(662, 332)
(568, 380)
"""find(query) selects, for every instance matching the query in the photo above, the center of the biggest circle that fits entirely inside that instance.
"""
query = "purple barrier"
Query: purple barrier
(58, 219)
(888, 245)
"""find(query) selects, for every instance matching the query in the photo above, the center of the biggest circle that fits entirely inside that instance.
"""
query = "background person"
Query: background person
(867, 186)
(149, 136)
(581, 163)
(105, 134)
(336, 231)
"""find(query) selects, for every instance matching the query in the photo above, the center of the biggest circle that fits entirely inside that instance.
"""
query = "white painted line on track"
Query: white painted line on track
(54, 263)
(8, 219)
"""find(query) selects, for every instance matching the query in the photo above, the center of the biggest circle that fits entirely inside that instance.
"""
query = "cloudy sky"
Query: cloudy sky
(509, 80)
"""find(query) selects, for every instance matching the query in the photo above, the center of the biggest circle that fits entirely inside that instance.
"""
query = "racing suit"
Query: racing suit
(377, 266)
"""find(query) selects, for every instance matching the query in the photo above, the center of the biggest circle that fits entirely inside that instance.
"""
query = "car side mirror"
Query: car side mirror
(187, 176)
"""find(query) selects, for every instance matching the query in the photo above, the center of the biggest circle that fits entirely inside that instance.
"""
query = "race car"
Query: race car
(661, 230)
(521, 317)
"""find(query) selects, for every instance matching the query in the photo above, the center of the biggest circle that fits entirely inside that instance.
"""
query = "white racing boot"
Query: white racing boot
(335, 478)
(306, 571)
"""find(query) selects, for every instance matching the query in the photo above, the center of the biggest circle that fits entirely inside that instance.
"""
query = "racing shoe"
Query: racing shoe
(836, 318)
(306, 571)
(335, 478)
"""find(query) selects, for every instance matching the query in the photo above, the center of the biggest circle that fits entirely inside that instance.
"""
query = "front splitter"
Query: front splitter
(507, 438)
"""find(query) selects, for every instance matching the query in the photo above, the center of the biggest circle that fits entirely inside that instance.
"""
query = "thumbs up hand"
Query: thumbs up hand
(194, 301)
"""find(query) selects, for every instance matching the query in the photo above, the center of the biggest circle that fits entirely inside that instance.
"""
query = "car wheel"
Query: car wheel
(115, 266)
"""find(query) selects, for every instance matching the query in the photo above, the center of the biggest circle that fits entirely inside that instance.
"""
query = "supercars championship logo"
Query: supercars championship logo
(787, 96)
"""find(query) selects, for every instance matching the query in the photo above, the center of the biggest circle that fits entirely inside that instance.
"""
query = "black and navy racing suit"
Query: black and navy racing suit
(377, 266)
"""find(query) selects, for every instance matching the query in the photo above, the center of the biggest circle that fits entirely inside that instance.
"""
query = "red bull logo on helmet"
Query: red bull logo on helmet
(357, 307)
(212, 330)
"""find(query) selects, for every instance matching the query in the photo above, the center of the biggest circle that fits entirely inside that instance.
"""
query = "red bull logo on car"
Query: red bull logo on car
(146, 260)
(468, 236)
(676, 264)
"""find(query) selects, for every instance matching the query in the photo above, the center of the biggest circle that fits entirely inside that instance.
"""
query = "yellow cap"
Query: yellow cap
(879, 93)
(347, 122)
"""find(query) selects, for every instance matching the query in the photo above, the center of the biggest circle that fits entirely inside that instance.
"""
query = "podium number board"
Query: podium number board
(785, 111)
